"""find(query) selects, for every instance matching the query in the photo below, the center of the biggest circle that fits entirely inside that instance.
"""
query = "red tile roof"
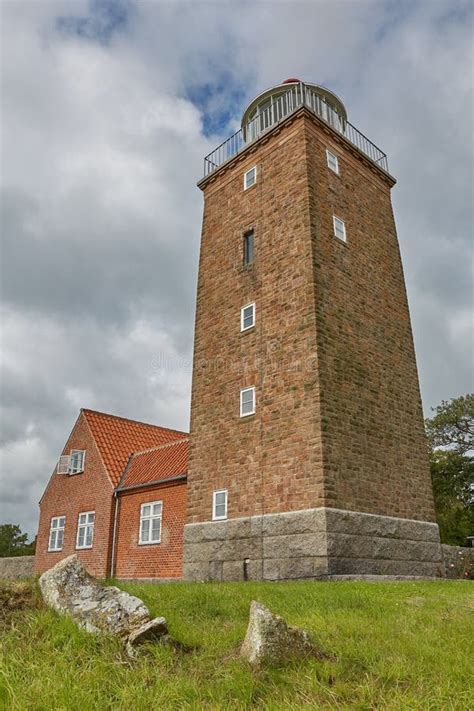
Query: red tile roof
(169, 460)
(117, 438)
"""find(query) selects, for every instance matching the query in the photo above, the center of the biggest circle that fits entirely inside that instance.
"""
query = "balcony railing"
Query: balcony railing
(298, 95)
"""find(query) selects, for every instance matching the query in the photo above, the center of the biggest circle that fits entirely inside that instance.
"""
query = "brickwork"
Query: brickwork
(338, 419)
(68, 496)
(158, 560)
(375, 453)
(273, 460)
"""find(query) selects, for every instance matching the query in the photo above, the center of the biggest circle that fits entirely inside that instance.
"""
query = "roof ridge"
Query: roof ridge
(85, 410)
(160, 446)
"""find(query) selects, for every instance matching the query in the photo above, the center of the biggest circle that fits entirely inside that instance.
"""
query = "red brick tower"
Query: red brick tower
(308, 455)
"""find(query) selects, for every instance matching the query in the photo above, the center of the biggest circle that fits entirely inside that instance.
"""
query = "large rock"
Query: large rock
(270, 641)
(70, 590)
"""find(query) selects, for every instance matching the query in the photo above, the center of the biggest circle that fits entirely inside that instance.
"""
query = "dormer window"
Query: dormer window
(72, 463)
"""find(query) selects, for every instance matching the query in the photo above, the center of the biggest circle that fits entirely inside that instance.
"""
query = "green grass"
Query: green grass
(395, 646)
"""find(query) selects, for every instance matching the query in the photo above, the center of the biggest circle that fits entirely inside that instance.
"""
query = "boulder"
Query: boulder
(70, 590)
(271, 641)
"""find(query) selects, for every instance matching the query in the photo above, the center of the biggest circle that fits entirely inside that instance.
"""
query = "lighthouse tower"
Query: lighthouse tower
(308, 456)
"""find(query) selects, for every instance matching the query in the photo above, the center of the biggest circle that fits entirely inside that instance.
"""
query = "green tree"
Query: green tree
(453, 425)
(451, 436)
(14, 542)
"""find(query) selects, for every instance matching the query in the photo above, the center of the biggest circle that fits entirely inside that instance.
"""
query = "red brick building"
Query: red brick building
(307, 452)
(308, 456)
(80, 508)
(151, 513)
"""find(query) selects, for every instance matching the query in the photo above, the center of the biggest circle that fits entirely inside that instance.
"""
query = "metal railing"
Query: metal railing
(296, 96)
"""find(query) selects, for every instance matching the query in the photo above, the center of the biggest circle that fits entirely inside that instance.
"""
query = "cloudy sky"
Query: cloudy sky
(108, 107)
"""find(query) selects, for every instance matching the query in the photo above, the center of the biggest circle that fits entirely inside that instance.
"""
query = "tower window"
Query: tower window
(339, 228)
(56, 533)
(247, 317)
(250, 177)
(150, 522)
(333, 162)
(219, 504)
(85, 529)
(248, 247)
(247, 402)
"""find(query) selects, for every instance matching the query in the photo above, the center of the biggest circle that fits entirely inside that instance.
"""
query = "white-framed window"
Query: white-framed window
(56, 533)
(250, 177)
(85, 529)
(150, 522)
(63, 464)
(247, 401)
(332, 160)
(247, 317)
(339, 228)
(219, 504)
(76, 461)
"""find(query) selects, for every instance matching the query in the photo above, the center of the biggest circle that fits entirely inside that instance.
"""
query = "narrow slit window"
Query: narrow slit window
(247, 402)
(248, 247)
(56, 533)
(247, 317)
(150, 522)
(339, 228)
(333, 162)
(85, 529)
(219, 504)
(250, 177)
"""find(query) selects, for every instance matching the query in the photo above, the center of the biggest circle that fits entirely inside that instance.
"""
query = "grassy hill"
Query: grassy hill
(396, 646)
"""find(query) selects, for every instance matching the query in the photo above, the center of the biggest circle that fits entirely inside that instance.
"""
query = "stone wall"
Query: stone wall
(17, 567)
(458, 561)
(317, 543)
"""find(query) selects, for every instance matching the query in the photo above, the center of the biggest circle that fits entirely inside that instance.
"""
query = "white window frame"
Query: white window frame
(55, 527)
(242, 316)
(332, 161)
(63, 464)
(246, 390)
(72, 470)
(247, 173)
(87, 524)
(335, 221)
(150, 517)
(215, 494)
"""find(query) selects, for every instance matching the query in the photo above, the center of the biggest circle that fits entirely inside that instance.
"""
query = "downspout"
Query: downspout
(114, 534)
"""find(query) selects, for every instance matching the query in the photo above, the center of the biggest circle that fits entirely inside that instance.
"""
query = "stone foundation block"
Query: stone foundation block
(315, 543)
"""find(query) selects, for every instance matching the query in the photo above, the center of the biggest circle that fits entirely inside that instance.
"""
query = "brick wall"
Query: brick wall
(68, 496)
(271, 461)
(338, 418)
(374, 446)
(160, 560)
